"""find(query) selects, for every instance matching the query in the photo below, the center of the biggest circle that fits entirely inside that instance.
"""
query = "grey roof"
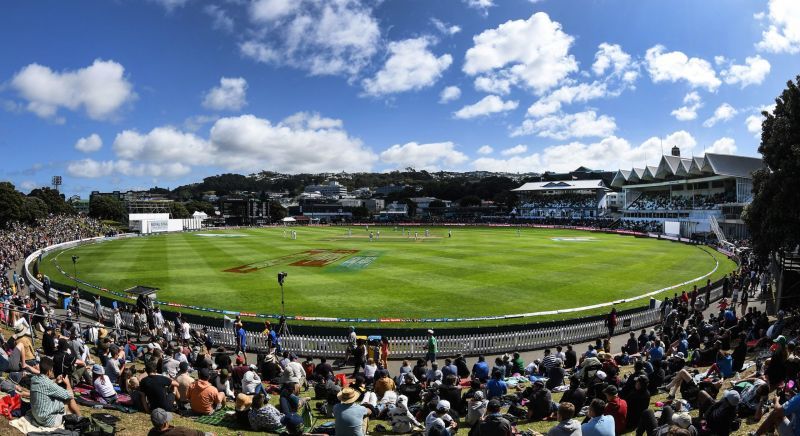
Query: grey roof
(736, 166)
(561, 185)
(620, 178)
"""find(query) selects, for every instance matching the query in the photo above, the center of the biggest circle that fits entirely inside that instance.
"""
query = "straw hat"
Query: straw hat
(347, 396)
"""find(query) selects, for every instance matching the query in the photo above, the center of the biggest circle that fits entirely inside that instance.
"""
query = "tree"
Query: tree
(360, 212)
(33, 209)
(106, 208)
(470, 200)
(276, 211)
(774, 215)
(178, 210)
(200, 206)
(11, 203)
(53, 200)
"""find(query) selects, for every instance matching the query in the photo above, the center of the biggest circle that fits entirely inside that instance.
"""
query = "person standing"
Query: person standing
(385, 352)
(432, 347)
(611, 321)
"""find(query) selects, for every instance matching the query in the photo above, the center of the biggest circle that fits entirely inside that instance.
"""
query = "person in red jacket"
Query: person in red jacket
(616, 407)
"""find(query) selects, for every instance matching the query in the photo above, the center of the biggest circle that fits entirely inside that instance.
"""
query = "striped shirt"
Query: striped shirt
(549, 361)
(47, 401)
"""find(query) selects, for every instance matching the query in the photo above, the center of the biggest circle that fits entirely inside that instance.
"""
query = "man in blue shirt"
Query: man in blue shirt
(449, 368)
(496, 387)
(349, 418)
(481, 369)
(781, 418)
(598, 424)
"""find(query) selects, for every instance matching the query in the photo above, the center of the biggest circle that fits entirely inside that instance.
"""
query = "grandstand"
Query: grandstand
(705, 194)
(573, 199)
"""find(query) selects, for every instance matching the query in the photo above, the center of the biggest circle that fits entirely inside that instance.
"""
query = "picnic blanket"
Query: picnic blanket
(26, 426)
(215, 418)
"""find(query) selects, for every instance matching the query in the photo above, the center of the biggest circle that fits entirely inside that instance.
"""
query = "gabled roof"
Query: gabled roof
(686, 164)
(735, 166)
(668, 166)
(620, 178)
(561, 185)
(698, 163)
(649, 173)
(636, 174)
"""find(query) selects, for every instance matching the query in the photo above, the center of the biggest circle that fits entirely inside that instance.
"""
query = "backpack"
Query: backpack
(89, 426)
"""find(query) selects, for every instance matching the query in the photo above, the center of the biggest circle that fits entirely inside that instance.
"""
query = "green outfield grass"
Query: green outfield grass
(476, 272)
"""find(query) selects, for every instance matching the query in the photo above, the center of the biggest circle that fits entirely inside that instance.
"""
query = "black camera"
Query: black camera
(281, 277)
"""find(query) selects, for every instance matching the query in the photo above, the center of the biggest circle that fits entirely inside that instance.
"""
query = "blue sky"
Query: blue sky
(127, 94)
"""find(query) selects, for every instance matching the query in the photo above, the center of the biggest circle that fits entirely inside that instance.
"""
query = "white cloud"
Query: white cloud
(533, 53)
(411, 66)
(301, 143)
(170, 5)
(494, 84)
(722, 113)
(265, 11)
(487, 105)
(753, 72)
(608, 153)
(564, 126)
(783, 33)
(91, 169)
(568, 94)
(481, 5)
(691, 103)
(611, 56)
(449, 94)
(514, 164)
(723, 146)
(675, 66)
(229, 95)
(220, 19)
(753, 122)
(89, 144)
(430, 157)
(515, 150)
(163, 144)
(485, 149)
(100, 89)
(324, 38)
(445, 28)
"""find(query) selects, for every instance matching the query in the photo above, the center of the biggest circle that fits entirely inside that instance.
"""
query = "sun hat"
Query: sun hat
(443, 406)
(732, 397)
(20, 330)
(243, 402)
(98, 370)
(682, 419)
(430, 331)
(347, 396)
(159, 417)
(253, 367)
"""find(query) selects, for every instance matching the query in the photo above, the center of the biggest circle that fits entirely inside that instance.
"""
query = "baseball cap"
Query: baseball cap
(601, 375)
(682, 419)
(97, 369)
(780, 340)
(732, 397)
(159, 417)
(443, 406)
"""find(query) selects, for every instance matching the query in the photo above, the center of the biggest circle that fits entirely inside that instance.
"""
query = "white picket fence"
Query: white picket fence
(410, 347)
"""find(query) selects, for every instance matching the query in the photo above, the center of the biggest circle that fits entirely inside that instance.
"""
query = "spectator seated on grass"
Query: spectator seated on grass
(203, 397)
(566, 425)
(496, 387)
(350, 419)
(161, 426)
(598, 423)
(616, 407)
(103, 388)
(262, 415)
(439, 422)
(158, 390)
(48, 400)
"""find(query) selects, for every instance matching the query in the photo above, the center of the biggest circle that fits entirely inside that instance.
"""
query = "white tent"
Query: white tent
(200, 215)
(289, 219)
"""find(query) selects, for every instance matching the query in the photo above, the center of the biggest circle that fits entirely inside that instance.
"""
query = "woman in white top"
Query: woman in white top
(103, 386)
